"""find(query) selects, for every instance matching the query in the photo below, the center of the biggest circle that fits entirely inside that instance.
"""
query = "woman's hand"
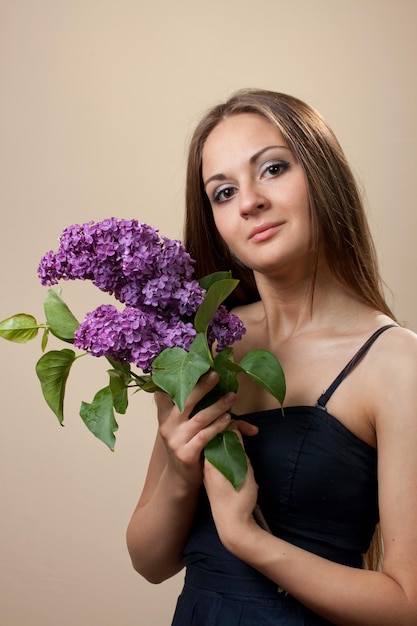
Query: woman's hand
(162, 519)
(232, 510)
(185, 438)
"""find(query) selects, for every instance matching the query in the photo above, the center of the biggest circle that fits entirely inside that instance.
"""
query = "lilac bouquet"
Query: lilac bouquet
(170, 328)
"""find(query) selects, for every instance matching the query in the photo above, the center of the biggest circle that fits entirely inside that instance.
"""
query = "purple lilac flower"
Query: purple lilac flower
(130, 261)
(152, 275)
(225, 328)
(132, 335)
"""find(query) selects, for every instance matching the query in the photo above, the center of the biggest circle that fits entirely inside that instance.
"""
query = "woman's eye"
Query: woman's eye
(223, 194)
(274, 169)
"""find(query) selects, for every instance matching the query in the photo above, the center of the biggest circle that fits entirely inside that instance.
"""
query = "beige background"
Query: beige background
(97, 102)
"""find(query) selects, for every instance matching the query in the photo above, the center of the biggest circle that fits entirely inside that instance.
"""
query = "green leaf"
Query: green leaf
(60, 320)
(118, 389)
(19, 328)
(45, 337)
(206, 281)
(99, 417)
(264, 368)
(52, 370)
(226, 453)
(215, 295)
(177, 371)
(227, 381)
(228, 375)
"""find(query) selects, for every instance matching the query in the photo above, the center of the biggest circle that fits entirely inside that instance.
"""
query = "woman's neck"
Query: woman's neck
(288, 308)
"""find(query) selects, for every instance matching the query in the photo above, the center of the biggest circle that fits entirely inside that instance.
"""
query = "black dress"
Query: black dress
(317, 489)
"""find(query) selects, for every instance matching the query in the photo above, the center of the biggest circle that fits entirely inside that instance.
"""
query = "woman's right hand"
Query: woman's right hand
(185, 438)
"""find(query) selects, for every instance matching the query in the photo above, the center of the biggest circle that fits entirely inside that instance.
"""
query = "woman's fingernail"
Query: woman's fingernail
(230, 397)
(212, 377)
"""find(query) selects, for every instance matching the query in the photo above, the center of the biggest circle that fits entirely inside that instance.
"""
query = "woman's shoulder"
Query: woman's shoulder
(400, 341)
(393, 350)
(394, 363)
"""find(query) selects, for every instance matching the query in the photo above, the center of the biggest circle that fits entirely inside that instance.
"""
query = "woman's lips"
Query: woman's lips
(264, 232)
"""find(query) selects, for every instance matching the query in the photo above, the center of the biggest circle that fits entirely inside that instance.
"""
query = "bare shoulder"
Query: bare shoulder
(403, 334)
(393, 374)
(397, 351)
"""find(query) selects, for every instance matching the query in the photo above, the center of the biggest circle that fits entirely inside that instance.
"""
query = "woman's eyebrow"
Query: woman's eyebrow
(214, 177)
(260, 152)
(252, 160)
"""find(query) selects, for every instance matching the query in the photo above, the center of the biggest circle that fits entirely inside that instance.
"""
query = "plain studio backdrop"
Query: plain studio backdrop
(98, 99)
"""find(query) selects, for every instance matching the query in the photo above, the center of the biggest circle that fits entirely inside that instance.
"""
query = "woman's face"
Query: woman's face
(259, 194)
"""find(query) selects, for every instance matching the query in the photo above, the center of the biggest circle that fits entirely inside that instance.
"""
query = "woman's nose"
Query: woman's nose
(251, 199)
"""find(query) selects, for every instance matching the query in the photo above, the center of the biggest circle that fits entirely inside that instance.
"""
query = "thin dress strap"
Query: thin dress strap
(325, 397)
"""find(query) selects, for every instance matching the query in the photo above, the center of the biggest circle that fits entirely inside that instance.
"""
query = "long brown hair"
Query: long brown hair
(339, 223)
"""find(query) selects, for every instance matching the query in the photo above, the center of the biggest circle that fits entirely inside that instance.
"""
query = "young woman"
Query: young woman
(271, 197)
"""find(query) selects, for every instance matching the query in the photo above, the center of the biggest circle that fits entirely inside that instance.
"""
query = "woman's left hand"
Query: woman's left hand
(232, 510)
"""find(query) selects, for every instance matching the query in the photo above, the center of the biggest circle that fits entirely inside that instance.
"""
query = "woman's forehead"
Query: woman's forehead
(241, 135)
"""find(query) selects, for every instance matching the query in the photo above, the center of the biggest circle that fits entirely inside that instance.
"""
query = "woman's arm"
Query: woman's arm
(161, 521)
(343, 595)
